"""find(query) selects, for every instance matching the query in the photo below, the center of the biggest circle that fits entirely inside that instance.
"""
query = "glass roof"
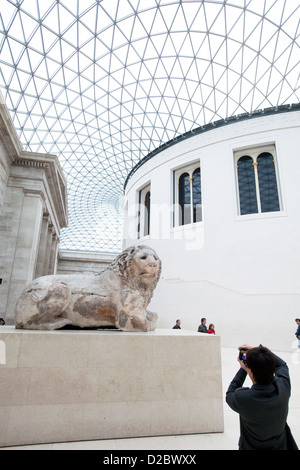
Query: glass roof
(101, 83)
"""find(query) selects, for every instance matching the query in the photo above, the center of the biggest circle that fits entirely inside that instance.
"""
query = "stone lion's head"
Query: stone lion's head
(140, 267)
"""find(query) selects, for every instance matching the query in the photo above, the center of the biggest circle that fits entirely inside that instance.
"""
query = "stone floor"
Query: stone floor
(220, 441)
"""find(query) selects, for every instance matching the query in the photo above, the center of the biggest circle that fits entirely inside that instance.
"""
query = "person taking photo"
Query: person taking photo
(263, 408)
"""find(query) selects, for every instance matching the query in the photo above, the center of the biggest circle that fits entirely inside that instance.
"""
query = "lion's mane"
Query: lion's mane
(122, 266)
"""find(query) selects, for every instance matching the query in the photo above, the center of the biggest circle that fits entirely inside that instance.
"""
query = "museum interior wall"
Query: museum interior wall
(230, 246)
(33, 210)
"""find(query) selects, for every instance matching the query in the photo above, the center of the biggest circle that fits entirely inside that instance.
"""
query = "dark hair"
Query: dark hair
(262, 363)
(297, 319)
(202, 319)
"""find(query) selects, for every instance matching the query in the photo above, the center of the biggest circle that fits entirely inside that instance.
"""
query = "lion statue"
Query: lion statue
(117, 297)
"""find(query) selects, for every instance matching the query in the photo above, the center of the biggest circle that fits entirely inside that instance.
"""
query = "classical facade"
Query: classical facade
(220, 205)
(83, 262)
(33, 209)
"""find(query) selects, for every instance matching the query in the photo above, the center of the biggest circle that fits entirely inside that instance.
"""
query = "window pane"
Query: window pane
(184, 199)
(247, 190)
(197, 197)
(267, 183)
(147, 214)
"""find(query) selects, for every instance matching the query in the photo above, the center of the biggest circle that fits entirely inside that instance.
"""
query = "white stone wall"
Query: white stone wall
(240, 272)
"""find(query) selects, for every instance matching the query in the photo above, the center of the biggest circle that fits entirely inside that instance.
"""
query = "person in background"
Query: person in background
(177, 325)
(211, 329)
(202, 328)
(298, 331)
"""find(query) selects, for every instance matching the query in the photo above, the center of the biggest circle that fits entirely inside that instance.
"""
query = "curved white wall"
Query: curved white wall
(240, 272)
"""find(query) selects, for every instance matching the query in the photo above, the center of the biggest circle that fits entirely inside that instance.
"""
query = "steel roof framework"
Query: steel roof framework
(103, 83)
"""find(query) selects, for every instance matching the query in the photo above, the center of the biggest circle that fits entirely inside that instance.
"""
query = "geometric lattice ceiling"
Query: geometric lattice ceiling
(101, 83)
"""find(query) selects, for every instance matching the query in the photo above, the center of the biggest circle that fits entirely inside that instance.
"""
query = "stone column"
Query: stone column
(24, 262)
(53, 255)
(39, 271)
(48, 248)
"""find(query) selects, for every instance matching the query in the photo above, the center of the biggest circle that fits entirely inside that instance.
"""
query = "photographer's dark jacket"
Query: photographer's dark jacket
(263, 411)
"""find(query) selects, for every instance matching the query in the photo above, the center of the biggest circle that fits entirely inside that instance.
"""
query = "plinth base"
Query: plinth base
(59, 386)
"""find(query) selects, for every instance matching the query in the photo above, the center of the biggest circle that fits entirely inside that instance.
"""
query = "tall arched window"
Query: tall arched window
(147, 214)
(257, 181)
(247, 186)
(268, 191)
(197, 196)
(185, 199)
(189, 197)
(144, 211)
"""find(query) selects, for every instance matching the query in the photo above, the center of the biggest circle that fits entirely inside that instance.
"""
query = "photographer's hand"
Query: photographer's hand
(245, 347)
(242, 364)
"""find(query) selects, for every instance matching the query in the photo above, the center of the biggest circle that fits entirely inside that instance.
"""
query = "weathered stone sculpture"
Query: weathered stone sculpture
(117, 297)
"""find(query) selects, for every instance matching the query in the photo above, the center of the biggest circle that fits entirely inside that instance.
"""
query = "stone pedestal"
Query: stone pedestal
(60, 386)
